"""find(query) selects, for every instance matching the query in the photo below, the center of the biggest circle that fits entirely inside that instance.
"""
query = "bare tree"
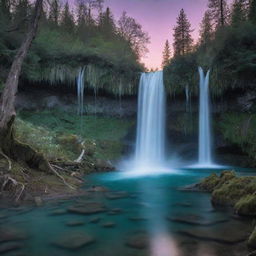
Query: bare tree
(132, 31)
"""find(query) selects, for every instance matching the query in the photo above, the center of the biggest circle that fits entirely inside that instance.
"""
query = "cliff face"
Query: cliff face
(233, 121)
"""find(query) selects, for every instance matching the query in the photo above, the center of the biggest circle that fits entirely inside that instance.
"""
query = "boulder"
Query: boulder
(103, 165)
(74, 241)
(246, 206)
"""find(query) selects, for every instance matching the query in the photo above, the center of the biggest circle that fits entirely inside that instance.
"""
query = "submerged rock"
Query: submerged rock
(88, 208)
(74, 241)
(95, 220)
(11, 234)
(10, 246)
(138, 241)
(109, 224)
(75, 223)
(117, 195)
(58, 212)
(196, 220)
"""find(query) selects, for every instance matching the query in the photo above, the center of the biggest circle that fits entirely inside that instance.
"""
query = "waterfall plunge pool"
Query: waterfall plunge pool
(147, 215)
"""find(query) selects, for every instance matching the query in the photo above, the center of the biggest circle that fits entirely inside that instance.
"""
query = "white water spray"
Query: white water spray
(205, 149)
(150, 143)
(80, 92)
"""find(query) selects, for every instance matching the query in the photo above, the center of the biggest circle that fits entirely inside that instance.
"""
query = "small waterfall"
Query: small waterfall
(80, 92)
(205, 149)
(150, 143)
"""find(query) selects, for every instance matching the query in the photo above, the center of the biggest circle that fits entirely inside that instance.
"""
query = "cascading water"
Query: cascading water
(150, 143)
(205, 149)
(80, 92)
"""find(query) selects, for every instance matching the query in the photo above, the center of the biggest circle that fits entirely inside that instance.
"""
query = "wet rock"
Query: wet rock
(11, 234)
(88, 208)
(138, 241)
(103, 165)
(58, 212)
(10, 246)
(117, 195)
(196, 220)
(109, 224)
(95, 220)
(75, 223)
(74, 241)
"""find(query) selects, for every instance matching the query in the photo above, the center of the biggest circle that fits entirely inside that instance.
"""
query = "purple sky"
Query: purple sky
(158, 18)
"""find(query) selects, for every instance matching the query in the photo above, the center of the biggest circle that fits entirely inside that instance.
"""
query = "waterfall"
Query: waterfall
(205, 154)
(80, 91)
(150, 143)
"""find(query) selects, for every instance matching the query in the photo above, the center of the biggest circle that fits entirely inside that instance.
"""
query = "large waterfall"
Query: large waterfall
(205, 149)
(150, 148)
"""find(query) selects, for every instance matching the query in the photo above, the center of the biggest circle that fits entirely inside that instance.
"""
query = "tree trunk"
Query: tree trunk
(7, 107)
(8, 144)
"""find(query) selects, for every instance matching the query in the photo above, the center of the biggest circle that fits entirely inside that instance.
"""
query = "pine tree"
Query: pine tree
(206, 30)
(182, 35)
(166, 54)
(107, 24)
(252, 11)
(219, 12)
(238, 13)
(67, 19)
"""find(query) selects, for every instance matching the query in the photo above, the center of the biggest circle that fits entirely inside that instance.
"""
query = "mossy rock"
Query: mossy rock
(230, 192)
(246, 206)
(209, 183)
(214, 181)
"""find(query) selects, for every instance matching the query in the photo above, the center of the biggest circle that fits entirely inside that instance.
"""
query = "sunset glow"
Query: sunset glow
(158, 17)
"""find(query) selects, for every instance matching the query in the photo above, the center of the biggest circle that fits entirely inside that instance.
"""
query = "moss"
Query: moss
(246, 206)
(209, 183)
(230, 192)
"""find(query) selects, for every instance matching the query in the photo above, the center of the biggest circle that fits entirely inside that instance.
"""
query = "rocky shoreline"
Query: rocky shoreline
(232, 191)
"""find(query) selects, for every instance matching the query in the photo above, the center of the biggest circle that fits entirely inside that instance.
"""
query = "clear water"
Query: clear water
(145, 208)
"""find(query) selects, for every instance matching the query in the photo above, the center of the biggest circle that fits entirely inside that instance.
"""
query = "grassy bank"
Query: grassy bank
(59, 134)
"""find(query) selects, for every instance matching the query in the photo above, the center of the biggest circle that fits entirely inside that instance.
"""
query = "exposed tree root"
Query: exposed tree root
(18, 151)
(15, 183)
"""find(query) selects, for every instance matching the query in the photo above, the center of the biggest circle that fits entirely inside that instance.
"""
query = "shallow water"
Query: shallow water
(153, 211)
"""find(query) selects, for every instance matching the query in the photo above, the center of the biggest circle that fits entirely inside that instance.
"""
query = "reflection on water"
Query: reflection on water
(145, 216)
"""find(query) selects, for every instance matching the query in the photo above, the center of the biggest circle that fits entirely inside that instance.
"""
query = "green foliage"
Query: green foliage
(57, 133)
(238, 128)
(63, 46)
(181, 72)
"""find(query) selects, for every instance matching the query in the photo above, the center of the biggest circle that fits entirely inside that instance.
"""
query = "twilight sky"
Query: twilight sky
(158, 18)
